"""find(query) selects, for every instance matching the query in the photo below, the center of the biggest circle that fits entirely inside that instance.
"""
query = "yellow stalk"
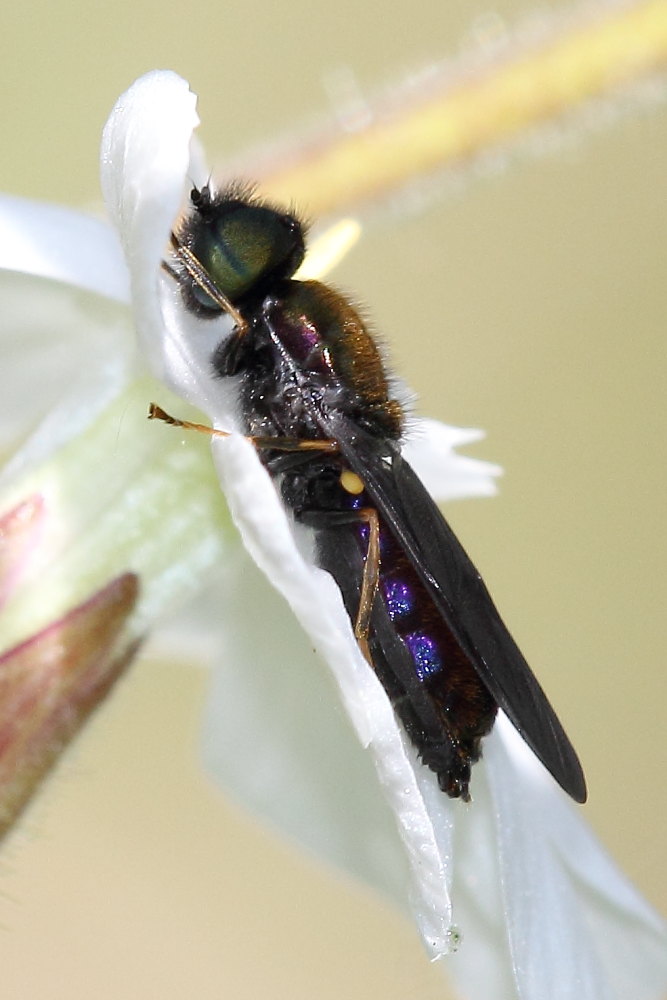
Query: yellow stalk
(592, 56)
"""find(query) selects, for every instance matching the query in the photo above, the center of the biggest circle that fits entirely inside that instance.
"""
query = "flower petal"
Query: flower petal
(274, 722)
(145, 158)
(66, 354)
(147, 151)
(563, 895)
(482, 965)
(51, 241)
(446, 474)
(548, 916)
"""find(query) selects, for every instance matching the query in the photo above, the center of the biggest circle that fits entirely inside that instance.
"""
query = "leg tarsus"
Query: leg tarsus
(156, 412)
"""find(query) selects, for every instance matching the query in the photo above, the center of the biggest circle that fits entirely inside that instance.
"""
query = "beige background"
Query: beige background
(531, 303)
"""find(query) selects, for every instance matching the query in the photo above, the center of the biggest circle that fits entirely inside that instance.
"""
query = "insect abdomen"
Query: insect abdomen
(465, 709)
(443, 705)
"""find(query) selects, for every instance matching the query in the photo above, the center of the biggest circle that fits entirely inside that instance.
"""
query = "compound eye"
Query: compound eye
(242, 245)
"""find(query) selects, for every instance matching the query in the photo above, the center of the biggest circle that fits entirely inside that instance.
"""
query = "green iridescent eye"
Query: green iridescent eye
(241, 245)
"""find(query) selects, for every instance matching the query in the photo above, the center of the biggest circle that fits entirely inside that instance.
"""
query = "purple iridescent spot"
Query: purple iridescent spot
(300, 338)
(425, 653)
(398, 598)
(310, 337)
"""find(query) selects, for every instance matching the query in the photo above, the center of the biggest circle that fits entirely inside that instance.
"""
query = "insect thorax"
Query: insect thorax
(308, 353)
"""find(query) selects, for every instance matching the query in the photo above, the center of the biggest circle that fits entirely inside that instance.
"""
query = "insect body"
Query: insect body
(317, 401)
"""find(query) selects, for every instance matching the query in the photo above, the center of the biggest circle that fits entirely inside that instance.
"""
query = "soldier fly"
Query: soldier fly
(317, 402)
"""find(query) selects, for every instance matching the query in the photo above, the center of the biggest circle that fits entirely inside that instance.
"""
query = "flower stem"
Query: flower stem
(469, 109)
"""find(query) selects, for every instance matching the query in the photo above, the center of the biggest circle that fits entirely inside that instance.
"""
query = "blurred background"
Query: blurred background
(528, 299)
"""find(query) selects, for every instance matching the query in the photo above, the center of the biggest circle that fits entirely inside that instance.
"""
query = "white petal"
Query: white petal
(150, 129)
(482, 966)
(65, 356)
(145, 158)
(549, 916)
(278, 740)
(51, 241)
(575, 925)
(446, 474)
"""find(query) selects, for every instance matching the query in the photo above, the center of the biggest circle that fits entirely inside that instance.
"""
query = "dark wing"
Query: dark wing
(459, 593)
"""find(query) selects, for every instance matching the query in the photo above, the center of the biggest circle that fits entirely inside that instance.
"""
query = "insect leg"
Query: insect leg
(371, 573)
(156, 412)
(370, 579)
(201, 277)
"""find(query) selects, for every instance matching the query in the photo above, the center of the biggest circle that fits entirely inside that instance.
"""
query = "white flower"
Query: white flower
(542, 912)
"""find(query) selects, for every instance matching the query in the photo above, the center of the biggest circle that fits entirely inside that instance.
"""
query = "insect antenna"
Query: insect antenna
(201, 278)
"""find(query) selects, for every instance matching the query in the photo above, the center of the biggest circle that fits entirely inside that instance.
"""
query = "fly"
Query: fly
(316, 400)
